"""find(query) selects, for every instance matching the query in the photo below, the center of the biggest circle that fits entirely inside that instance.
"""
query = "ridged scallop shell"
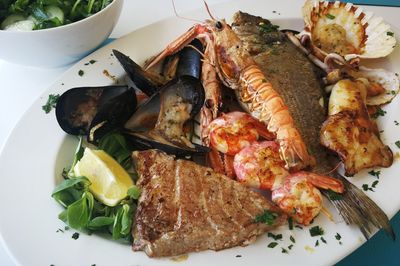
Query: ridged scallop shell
(368, 34)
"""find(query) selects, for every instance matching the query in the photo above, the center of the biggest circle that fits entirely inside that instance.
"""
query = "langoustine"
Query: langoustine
(238, 70)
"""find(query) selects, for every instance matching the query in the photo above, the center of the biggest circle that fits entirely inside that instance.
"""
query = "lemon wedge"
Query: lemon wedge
(110, 182)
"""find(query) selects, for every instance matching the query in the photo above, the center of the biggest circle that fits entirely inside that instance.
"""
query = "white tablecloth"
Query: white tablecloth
(20, 86)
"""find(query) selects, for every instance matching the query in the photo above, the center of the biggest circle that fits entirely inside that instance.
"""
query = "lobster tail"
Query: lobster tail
(357, 208)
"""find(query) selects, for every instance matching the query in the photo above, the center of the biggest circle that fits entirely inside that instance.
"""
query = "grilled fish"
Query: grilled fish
(186, 207)
(297, 81)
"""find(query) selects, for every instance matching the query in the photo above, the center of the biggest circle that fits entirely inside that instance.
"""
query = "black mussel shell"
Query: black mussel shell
(139, 142)
(188, 88)
(190, 60)
(136, 74)
(80, 109)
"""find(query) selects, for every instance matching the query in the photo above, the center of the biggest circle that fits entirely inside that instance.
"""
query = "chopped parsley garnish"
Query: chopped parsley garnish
(92, 61)
(330, 16)
(379, 112)
(365, 187)
(316, 243)
(298, 226)
(238, 256)
(290, 247)
(338, 237)
(332, 195)
(75, 235)
(272, 244)
(374, 183)
(290, 222)
(284, 251)
(396, 123)
(292, 239)
(316, 231)
(264, 27)
(81, 72)
(275, 237)
(60, 230)
(375, 173)
(389, 33)
(323, 239)
(397, 144)
(267, 217)
(51, 103)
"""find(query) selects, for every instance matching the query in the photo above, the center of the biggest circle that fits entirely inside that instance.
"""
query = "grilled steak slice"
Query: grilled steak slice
(186, 207)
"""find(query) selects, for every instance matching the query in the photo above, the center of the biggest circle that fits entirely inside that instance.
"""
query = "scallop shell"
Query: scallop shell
(387, 79)
(369, 35)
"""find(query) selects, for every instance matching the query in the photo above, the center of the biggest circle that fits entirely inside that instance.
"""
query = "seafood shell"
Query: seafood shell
(365, 35)
(387, 79)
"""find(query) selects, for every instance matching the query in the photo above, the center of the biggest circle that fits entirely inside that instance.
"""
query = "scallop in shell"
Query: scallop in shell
(342, 28)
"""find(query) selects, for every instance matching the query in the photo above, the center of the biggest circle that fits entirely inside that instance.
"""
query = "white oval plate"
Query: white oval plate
(37, 150)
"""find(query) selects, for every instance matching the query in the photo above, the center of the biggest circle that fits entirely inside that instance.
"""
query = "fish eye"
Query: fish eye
(218, 25)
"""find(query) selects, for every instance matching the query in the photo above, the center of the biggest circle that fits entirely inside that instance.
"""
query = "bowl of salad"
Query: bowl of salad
(53, 33)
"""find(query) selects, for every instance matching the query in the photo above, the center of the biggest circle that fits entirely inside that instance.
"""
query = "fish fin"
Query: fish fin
(357, 208)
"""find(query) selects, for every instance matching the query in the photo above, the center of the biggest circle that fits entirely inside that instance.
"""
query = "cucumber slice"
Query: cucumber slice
(55, 12)
(33, 19)
(11, 19)
(23, 25)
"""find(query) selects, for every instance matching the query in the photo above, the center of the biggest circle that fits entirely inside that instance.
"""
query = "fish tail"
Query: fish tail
(357, 208)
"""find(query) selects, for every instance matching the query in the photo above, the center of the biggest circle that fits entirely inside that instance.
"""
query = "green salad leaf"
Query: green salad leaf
(39, 11)
(116, 145)
(82, 210)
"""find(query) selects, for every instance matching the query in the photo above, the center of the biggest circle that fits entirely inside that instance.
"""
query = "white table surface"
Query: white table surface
(20, 85)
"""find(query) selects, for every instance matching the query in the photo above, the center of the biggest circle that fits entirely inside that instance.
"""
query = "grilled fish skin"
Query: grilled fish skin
(186, 207)
(298, 82)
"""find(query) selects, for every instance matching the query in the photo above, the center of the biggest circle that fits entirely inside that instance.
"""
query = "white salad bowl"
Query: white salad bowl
(62, 45)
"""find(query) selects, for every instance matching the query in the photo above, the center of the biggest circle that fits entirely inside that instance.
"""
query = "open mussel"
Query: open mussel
(145, 81)
(186, 62)
(161, 122)
(96, 110)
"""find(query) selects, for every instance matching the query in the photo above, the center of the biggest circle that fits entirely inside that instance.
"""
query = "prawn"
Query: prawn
(238, 70)
(260, 166)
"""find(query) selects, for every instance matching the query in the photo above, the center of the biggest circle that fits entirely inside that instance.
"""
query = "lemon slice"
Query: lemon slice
(110, 182)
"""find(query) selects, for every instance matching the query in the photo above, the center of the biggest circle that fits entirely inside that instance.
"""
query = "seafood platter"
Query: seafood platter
(239, 135)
